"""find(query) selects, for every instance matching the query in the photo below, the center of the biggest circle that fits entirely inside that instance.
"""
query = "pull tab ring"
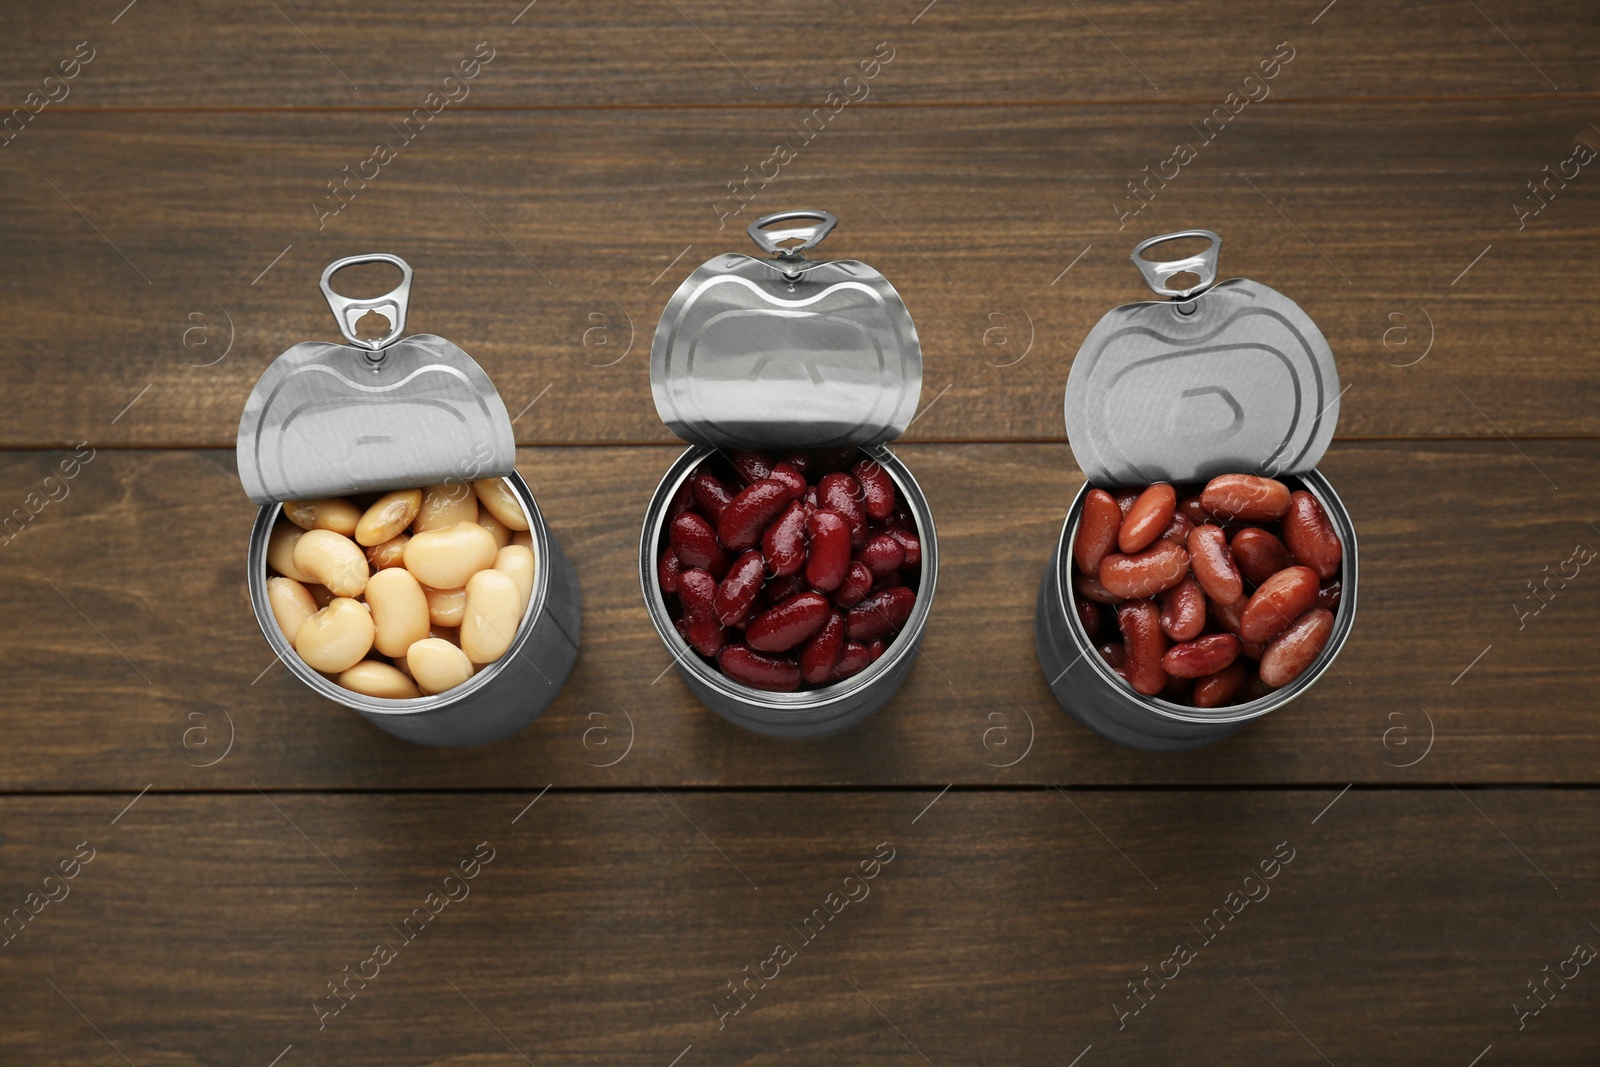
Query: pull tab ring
(1157, 274)
(809, 236)
(348, 310)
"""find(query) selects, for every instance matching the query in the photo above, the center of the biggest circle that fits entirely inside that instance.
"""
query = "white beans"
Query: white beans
(333, 513)
(291, 605)
(333, 560)
(518, 563)
(437, 665)
(378, 680)
(399, 610)
(337, 637)
(494, 610)
(444, 506)
(496, 496)
(445, 559)
(386, 518)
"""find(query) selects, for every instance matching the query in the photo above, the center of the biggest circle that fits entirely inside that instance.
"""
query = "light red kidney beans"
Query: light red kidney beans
(1147, 517)
(1183, 610)
(1245, 496)
(1202, 656)
(1279, 601)
(1309, 535)
(1144, 645)
(1258, 554)
(829, 560)
(1213, 565)
(1145, 573)
(1296, 648)
(1098, 526)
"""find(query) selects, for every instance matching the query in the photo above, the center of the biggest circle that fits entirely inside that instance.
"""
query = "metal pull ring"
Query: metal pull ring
(809, 236)
(1157, 274)
(348, 310)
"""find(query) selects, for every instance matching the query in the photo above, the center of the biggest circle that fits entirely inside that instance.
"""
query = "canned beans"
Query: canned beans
(791, 571)
(1217, 593)
(410, 596)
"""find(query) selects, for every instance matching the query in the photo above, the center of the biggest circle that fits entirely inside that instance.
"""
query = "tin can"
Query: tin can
(400, 412)
(784, 352)
(1229, 377)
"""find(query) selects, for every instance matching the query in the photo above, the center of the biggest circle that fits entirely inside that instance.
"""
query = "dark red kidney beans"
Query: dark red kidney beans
(752, 466)
(1293, 650)
(1144, 573)
(1310, 536)
(1213, 565)
(877, 488)
(1178, 530)
(736, 594)
(1115, 654)
(782, 626)
(1125, 499)
(1192, 509)
(876, 649)
(746, 666)
(857, 584)
(882, 554)
(829, 559)
(1215, 690)
(1090, 615)
(1183, 610)
(784, 543)
(749, 514)
(1279, 601)
(780, 589)
(792, 478)
(682, 501)
(710, 495)
(821, 653)
(1245, 496)
(910, 544)
(1147, 517)
(695, 543)
(1203, 656)
(1097, 531)
(838, 491)
(1090, 586)
(854, 661)
(880, 614)
(667, 571)
(1144, 645)
(1328, 595)
(1258, 554)
(698, 591)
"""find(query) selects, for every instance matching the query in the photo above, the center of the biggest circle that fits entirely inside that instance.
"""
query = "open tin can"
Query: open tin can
(785, 353)
(1219, 378)
(392, 412)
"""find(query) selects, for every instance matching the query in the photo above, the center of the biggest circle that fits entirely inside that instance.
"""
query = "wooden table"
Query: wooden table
(650, 885)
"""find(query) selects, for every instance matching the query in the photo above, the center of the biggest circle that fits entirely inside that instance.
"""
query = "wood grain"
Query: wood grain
(140, 647)
(1389, 222)
(204, 53)
(1003, 930)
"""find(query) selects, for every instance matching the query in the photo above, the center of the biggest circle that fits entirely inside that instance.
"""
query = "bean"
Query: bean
(746, 666)
(710, 495)
(1245, 496)
(840, 492)
(829, 560)
(785, 625)
(332, 513)
(750, 513)
(784, 543)
(882, 554)
(1259, 554)
(517, 562)
(496, 496)
(1296, 648)
(1147, 517)
(280, 551)
(1183, 610)
(752, 466)
(445, 559)
(497, 529)
(696, 544)
(855, 659)
(1144, 573)
(332, 560)
(436, 665)
(1098, 525)
(391, 553)
(856, 585)
(1089, 586)
(445, 505)
(698, 591)
(445, 606)
(792, 478)
(399, 610)
(880, 614)
(911, 544)
(1279, 601)
(1115, 653)
(388, 517)
(375, 679)
(1091, 615)
(1144, 645)
(1215, 690)
(823, 651)
(877, 488)
(736, 594)
(1328, 595)
(493, 616)
(337, 637)
(1310, 536)
(1203, 656)
(291, 605)
(1213, 565)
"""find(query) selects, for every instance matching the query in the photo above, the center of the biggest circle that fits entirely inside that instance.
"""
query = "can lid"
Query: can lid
(328, 419)
(785, 351)
(1222, 377)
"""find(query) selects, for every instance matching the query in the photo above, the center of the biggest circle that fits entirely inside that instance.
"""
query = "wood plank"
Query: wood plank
(202, 53)
(1004, 929)
(139, 647)
(976, 215)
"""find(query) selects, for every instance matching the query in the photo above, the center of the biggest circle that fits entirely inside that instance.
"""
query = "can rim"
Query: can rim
(256, 566)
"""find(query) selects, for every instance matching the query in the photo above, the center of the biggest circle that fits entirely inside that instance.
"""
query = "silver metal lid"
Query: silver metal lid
(785, 351)
(329, 419)
(1223, 377)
